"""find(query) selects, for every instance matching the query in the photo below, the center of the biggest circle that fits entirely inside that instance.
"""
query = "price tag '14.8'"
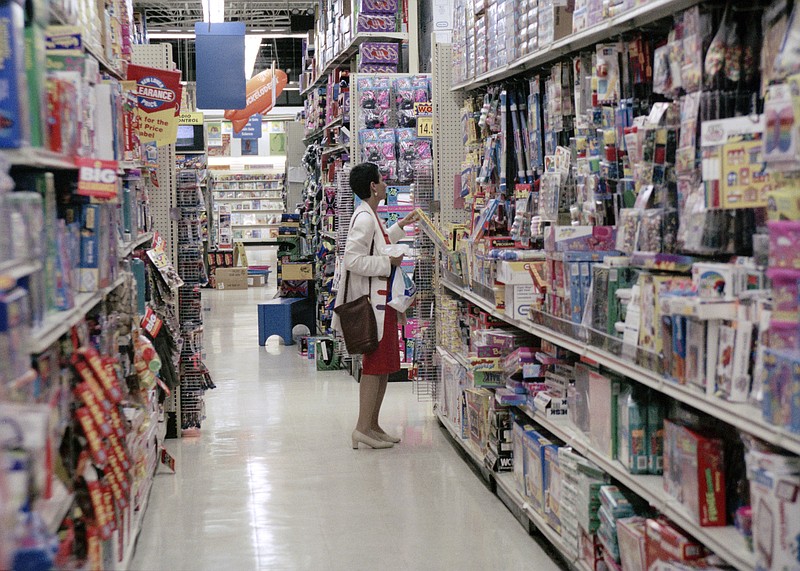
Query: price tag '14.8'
(424, 113)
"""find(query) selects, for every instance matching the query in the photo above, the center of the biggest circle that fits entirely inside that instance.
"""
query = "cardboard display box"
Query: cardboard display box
(255, 281)
(297, 271)
(231, 278)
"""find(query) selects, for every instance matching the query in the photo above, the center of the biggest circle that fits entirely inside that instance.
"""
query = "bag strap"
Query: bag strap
(347, 272)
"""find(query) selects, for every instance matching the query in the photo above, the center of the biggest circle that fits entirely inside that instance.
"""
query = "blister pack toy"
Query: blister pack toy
(374, 101)
(378, 147)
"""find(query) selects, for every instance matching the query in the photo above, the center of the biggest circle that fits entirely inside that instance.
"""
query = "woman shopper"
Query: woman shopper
(369, 269)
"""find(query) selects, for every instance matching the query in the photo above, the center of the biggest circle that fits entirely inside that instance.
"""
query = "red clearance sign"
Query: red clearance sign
(97, 178)
(158, 95)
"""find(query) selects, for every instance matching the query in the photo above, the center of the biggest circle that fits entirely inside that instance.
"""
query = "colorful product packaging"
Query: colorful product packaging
(694, 473)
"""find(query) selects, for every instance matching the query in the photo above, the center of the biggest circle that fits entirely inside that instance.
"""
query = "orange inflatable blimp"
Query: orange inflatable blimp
(259, 97)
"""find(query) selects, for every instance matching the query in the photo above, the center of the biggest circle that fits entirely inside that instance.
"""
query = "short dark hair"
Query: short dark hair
(360, 178)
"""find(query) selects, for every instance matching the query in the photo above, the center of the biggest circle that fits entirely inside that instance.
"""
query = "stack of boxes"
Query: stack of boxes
(489, 34)
(613, 506)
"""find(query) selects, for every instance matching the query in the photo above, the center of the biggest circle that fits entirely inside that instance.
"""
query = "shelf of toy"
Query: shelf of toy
(38, 157)
(54, 510)
(743, 416)
(349, 51)
(16, 269)
(255, 225)
(224, 199)
(138, 519)
(58, 323)
(237, 210)
(247, 181)
(610, 28)
(126, 249)
(506, 485)
(328, 235)
(726, 542)
(336, 149)
(107, 67)
(339, 121)
(259, 241)
(130, 165)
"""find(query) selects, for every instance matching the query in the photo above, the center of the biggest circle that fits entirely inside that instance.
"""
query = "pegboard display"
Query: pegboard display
(162, 187)
(448, 149)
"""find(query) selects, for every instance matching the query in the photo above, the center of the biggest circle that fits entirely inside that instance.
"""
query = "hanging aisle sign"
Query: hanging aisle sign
(252, 130)
(190, 118)
(158, 93)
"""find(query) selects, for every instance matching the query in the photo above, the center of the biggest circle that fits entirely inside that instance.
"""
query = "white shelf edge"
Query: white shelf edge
(348, 52)
(637, 17)
(506, 481)
(255, 225)
(16, 269)
(255, 210)
(58, 323)
(726, 542)
(129, 247)
(38, 157)
(744, 417)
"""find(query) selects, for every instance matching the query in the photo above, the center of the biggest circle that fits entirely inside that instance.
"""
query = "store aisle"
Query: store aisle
(271, 482)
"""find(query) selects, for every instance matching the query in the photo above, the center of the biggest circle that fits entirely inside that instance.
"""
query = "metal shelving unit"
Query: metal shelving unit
(645, 14)
(349, 51)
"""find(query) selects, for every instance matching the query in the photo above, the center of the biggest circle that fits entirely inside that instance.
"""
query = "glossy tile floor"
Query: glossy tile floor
(271, 481)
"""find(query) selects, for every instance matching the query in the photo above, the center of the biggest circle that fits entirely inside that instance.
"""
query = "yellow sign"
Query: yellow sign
(190, 118)
(424, 113)
(425, 127)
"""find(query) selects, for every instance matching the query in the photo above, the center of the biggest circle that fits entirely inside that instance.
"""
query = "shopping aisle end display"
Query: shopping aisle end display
(273, 467)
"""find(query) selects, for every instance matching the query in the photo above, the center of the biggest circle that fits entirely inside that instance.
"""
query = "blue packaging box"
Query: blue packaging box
(14, 108)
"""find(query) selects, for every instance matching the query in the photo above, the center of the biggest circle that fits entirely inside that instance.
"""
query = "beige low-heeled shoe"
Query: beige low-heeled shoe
(360, 437)
(385, 437)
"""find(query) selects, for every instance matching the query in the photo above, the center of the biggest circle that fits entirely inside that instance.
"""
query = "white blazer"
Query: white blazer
(365, 231)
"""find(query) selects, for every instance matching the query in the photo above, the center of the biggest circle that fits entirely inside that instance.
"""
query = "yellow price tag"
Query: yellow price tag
(425, 127)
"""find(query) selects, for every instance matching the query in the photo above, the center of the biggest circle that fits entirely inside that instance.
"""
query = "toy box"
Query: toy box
(694, 473)
(583, 239)
(535, 474)
(553, 480)
(781, 402)
(518, 300)
(632, 427)
(603, 393)
(14, 113)
(478, 401)
(656, 412)
(519, 434)
(776, 519)
(631, 541)
(665, 542)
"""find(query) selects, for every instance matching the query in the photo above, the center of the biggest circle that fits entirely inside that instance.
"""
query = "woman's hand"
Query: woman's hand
(396, 260)
(410, 218)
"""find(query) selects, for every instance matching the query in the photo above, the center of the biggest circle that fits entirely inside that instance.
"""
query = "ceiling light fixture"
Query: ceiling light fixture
(190, 36)
(213, 11)
(258, 30)
(252, 45)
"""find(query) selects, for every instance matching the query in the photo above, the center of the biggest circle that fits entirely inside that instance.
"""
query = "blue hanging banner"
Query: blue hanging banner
(250, 131)
(219, 64)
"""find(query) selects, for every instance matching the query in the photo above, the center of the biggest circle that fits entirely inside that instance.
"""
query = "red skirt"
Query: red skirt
(386, 358)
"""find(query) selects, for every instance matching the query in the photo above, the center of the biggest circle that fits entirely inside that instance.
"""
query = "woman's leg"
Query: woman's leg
(383, 383)
(368, 393)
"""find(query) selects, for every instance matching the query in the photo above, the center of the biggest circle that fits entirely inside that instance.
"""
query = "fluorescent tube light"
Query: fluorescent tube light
(213, 11)
(252, 45)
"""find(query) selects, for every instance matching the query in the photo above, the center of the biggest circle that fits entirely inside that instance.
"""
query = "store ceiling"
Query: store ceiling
(261, 16)
(271, 17)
